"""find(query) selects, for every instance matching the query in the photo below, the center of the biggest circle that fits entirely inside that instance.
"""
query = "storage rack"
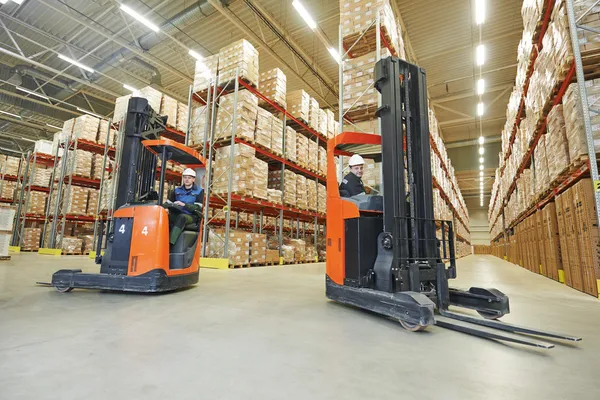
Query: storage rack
(345, 51)
(5, 177)
(579, 168)
(258, 207)
(26, 176)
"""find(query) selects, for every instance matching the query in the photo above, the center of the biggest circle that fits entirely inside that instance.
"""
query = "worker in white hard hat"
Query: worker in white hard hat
(189, 198)
(352, 184)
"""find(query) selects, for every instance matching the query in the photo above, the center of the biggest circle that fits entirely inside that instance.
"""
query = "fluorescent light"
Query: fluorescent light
(195, 54)
(31, 92)
(89, 112)
(139, 17)
(28, 140)
(304, 14)
(481, 150)
(18, 1)
(77, 63)
(53, 126)
(479, 12)
(130, 88)
(334, 53)
(480, 160)
(3, 1)
(481, 167)
(480, 54)
(481, 140)
(11, 114)
(480, 109)
(481, 173)
(480, 86)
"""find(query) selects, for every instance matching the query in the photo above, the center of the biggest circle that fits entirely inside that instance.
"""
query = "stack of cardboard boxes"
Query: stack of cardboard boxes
(273, 86)
(246, 113)
(205, 70)
(290, 144)
(238, 246)
(242, 175)
(7, 217)
(37, 203)
(258, 248)
(239, 56)
(299, 104)
(168, 107)
(31, 239)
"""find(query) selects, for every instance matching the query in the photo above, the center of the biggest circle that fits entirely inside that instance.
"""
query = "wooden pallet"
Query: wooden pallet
(4, 258)
(28, 250)
(362, 113)
(72, 253)
(367, 43)
(235, 266)
(231, 84)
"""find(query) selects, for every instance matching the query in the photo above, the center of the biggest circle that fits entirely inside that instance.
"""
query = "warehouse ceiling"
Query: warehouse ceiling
(123, 51)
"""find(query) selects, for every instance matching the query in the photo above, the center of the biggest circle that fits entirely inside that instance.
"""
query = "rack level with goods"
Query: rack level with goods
(266, 159)
(364, 38)
(82, 151)
(30, 197)
(10, 173)
(544, 212)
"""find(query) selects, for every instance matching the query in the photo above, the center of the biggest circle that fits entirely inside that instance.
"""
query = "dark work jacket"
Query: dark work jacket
(193, 195)
(351, 186)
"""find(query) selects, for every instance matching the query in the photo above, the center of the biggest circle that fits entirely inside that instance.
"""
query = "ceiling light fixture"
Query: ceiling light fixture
(140, 18)
(481, 150)
(481, 167)
(479, 109)
(480, 54)
(130, 88)
(480, 87)
(31, 92)
(77, 63)
(28, 140)
(481, 173)
(334, 53)
(53, 126)
(481, 160)
(481, 179)
(304, 14)
(479, 12)
(89, 112)
(195, 54)
(11, 114)
(481, 140)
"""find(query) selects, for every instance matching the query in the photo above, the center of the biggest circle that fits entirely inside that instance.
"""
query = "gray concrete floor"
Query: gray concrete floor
(270, 333)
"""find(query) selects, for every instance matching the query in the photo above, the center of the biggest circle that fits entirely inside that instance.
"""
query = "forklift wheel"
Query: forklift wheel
(64, 289)
(487, 315)
(412, 327)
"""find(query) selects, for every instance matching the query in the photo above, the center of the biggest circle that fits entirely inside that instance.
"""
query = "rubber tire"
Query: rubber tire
(489, 316)
(64, 289)
(412, 327)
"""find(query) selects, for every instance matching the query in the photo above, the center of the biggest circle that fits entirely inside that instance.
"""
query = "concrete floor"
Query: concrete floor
(270, 333)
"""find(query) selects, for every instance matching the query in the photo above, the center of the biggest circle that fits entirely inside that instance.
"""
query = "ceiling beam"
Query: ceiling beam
(471, 120)
(473, 142)
(441, 107)
(453, 50)
(469, 93)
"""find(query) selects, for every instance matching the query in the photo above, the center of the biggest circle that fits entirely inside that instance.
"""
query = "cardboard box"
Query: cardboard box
(258, 248)
(37, 203)
(204, 72)
(273, 85)
(302, 150)
(31, 239)
(86, 127)
(298, 102)
(71, 245)
(290, 144)
(199, 124)
(168, 107)
(588, 234)
(7, 217)
(182, 117)
(238, 247)
(239, 56)
(246, 114)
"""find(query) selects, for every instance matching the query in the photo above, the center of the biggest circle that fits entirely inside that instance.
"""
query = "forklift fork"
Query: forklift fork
(489, 303)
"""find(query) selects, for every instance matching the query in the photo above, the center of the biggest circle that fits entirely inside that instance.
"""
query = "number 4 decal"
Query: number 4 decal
(145, 231)
(122, 228)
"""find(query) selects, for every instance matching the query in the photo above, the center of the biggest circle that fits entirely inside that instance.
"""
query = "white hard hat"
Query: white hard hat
(356, 160)
(189, 172)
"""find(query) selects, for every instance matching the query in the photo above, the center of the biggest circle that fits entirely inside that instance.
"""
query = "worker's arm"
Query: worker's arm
(171, 196)
(196, 206)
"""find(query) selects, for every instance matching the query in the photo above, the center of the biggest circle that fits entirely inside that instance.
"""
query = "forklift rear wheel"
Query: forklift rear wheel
(488, 315)
(412, 327)
(64, 289)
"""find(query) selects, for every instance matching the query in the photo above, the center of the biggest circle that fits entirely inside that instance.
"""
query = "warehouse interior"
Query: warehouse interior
(108, 105)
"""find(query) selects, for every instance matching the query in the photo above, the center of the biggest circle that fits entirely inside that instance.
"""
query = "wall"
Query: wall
(478, 222)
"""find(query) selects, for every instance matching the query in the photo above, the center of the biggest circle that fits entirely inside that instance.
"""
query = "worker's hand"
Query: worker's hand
(180, 203)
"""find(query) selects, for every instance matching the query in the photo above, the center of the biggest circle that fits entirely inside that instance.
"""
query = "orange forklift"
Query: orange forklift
(138, 256)
(386, 253)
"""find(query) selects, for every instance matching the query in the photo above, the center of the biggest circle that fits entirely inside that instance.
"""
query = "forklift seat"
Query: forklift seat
(193, 227)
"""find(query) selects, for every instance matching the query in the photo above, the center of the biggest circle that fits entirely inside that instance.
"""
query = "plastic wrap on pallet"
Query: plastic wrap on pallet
(313, 114)
(76, 200)
(298, 102)
(239, 150)
(313, 155)
(299, 248)
(42, 146)
(273, 86)
(260, 171)
(322, 160)
(238, 245)
(301, 190)
(542, 177)
(31, 239)
(322, 122)
(274, 196)
(103, 131)
(168, 107)
(107, 197)
(573, 115)
(153, 96)
(42, 177)
(204, 71)
(276, 135)
(97, 164)
(262, 134)
(246, 113)
(92, 201)
(79, 162)
(258, 248)
(121, 104)
(239, 55)
(360, 95)
(71, 244)
(4, 244)
(200, 119)
(37, 203)
(182, 116)
(8, 190)
(557, 145)
(302, 150)
(321, 198)
(311, 193)
(86, 127)
(290, 144)
(356, 16)
(331, 120)
(11, 166)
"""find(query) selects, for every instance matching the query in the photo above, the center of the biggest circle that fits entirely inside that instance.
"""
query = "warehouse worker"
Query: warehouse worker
(352, 184)
(189, 197)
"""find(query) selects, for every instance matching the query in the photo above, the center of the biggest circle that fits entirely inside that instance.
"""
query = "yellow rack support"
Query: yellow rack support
(50, 252)
(214, 263)
(14, 249)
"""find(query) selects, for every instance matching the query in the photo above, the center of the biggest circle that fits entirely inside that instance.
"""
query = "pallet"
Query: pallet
(362, 113)
(28, 250)
(368, 43)
(4, 258)
(270, 108)
(72, 253)
(231, 84)
(236, 266)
